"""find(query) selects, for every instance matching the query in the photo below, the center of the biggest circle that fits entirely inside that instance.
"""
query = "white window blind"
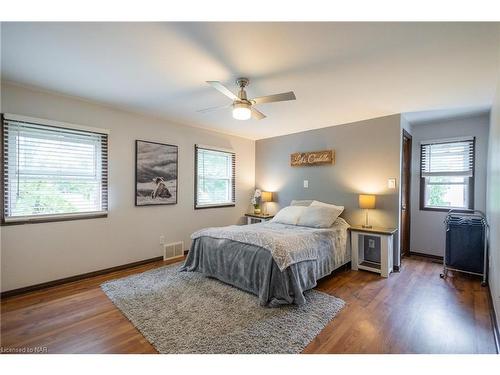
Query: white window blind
(447, 174)
(52, 172)
(215, 177)
(454, 158)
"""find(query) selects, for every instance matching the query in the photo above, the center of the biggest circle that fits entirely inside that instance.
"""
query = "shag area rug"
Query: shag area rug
(186, 312)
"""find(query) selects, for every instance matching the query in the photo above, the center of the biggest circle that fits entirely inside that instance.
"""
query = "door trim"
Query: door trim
(407, 135)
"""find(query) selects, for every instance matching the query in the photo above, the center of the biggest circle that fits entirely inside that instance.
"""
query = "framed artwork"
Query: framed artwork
(156, 170)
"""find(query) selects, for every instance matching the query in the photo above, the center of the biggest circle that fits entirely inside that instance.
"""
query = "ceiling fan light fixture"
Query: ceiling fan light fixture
(242, 107)
(241, 111)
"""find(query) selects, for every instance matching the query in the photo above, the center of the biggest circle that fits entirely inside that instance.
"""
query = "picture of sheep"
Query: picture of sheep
(155, 173)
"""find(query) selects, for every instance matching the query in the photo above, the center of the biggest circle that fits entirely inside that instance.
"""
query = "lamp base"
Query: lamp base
(366, 225)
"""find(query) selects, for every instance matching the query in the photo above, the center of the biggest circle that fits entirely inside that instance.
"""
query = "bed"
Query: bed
(275, 261)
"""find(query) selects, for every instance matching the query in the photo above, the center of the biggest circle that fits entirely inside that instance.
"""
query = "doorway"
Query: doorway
(405, 194)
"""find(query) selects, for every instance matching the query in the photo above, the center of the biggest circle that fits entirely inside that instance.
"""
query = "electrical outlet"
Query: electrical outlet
(162, 240)
(306, 184)
(371, 244)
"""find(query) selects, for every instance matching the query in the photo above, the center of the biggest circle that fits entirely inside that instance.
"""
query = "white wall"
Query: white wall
(35, 253)
(493, 201)
(427, 228)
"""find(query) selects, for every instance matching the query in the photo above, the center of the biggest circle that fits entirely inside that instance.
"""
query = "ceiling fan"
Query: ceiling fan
(243, 108)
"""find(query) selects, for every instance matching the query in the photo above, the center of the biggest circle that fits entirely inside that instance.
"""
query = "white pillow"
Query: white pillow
(318, 203)
(288, 215)
(318, 216)
(301, 202)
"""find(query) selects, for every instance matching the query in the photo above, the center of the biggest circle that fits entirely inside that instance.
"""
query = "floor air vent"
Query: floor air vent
(173, 250)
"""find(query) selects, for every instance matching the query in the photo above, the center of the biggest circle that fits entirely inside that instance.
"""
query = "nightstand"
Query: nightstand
(372, 249)
(258, 218)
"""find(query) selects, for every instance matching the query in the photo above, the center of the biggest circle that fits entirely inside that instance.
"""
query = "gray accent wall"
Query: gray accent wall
(367, 153)
(427, 228)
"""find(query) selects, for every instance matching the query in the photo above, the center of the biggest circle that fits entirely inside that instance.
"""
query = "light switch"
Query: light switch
(391, 183)
(306, 184)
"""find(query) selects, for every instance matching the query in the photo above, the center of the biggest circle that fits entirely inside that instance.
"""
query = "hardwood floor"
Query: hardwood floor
(413, 311)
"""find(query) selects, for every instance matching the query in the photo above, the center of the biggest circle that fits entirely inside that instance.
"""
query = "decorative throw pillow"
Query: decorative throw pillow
(301, 202)
(318, 216)
(288, 215)
(318, 203)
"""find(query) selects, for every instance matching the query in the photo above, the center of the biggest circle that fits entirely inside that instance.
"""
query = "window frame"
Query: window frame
(233, 180)
(470, 184)
(48, 218)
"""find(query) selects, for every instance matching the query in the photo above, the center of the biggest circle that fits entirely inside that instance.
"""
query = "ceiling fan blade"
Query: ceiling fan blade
(274, 98)
(223, 89)
(212, 109)
(256, 114)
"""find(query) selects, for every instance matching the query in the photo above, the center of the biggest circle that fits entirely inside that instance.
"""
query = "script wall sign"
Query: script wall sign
(312, 158)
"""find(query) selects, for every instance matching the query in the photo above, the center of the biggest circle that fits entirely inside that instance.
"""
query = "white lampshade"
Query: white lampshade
(267, 196)
(241, 111)
(366, 201)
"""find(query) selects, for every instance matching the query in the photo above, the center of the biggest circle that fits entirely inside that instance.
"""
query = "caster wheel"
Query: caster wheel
(483, 283)
(441, 275)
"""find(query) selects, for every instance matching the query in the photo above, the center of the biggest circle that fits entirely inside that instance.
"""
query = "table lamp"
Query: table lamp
(266, 196)
(366, 201)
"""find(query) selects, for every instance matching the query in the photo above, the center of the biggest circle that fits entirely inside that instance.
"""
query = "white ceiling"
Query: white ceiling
(425, 117)
(340, 72)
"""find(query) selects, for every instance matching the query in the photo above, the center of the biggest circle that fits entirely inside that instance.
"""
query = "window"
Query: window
(447, 175)
(52, 172)
(214, 177)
